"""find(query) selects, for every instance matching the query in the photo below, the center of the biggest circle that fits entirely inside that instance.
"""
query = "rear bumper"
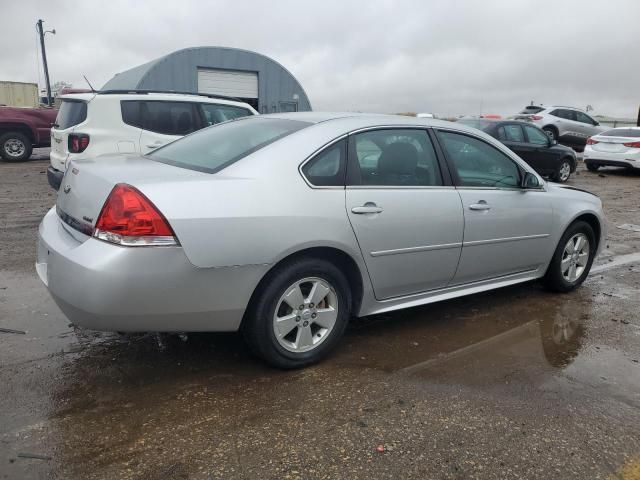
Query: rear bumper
(107, 287)
(612, 163)
(54, 177)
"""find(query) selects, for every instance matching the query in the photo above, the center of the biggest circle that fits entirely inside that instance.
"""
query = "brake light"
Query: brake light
(591, 141)
(536, 117)
(632, 144)
(129, 218)
(78, 142)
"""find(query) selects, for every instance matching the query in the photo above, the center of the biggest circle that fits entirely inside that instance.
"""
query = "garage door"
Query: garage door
(228, 82)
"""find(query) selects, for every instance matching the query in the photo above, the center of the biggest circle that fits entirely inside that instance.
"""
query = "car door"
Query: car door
(406, 215)
(507, 227)
(541, 157)
(588, 126)
(163, 122)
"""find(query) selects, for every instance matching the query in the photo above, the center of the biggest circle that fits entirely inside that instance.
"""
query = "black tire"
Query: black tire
(554, 279)
(592, 167)
(557, 176)
(258, 325)
(552, 132)
(11, 141)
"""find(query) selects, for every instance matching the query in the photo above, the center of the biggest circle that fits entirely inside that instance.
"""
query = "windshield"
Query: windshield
(214, 148)
(622, 132)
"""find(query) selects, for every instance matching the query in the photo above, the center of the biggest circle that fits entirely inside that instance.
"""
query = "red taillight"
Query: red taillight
(78, 142)
(591, 141)
(632, 144)
(536, 117)
(129, 218)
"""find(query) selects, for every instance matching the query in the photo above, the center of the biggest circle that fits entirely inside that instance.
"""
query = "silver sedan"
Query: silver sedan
(285, 226)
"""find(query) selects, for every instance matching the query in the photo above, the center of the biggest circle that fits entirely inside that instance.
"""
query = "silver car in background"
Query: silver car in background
(285, 226)
(566, 125)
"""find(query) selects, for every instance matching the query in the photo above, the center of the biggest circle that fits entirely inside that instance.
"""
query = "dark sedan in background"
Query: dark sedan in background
(530, 143)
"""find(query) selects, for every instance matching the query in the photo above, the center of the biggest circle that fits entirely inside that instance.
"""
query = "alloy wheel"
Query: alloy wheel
(575, 257)
(305, 315)
(564, 172)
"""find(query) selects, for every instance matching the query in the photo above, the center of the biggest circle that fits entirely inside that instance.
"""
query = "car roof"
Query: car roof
(372, 119)
(171, 97)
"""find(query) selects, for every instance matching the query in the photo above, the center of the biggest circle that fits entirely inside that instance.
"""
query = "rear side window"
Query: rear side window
(71, 113)
(213, 113)
(212, 149)
(622, 132)
(327, 168)
(167, 118)
(395, 157)
(563, 113)
(511, 133)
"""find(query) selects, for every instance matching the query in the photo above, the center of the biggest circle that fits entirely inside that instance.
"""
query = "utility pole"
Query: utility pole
(41, 32)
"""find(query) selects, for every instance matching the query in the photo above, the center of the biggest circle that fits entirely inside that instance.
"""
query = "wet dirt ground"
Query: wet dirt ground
(515, 383)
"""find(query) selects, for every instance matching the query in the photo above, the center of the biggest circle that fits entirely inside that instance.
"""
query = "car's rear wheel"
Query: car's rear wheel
(563, 171)
(299, 314)
(15, 147)
(572, 259)
(592, 167)
(551, 132)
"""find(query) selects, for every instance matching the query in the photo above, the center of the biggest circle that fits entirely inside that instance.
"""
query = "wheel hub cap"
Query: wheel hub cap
(305, 315)
(575, 257)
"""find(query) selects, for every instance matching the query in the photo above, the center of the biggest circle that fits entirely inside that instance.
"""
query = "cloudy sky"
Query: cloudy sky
(442, 56)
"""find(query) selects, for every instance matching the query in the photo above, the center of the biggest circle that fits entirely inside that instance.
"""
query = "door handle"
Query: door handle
(368, 207)
(155, 145)
(481, 205)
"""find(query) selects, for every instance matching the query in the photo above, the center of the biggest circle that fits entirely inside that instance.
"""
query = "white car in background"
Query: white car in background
(618, 147)
(135, 122)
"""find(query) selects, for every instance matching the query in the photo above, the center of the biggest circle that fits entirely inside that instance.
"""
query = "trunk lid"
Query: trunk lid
(612, 144)
(88, 182)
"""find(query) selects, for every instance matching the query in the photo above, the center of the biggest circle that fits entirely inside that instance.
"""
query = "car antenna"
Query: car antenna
(93, 90)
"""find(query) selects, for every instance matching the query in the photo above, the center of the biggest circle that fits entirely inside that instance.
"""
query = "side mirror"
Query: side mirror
(529, 180)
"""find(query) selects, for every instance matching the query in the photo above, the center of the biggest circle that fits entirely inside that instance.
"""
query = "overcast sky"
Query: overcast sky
(447, 57)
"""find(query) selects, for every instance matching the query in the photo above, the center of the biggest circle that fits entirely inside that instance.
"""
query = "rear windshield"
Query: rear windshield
(71, 113)
(622, 132)
(475, 123)
(214, 148)
(532, 109)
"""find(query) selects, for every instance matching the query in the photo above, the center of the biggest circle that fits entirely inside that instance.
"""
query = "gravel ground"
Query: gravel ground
(471, 388)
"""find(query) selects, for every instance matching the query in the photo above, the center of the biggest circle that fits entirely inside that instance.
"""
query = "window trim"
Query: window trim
(456, 179)
(352, 159)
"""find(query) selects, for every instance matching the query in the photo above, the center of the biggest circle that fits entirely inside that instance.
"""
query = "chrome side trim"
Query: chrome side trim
(503, 240)
(426, 248)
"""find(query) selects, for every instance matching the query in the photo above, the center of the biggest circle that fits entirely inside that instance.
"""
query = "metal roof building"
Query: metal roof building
(250, 76)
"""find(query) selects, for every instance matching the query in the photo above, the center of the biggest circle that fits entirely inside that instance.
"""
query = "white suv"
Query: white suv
(92, 124)
(567, 125)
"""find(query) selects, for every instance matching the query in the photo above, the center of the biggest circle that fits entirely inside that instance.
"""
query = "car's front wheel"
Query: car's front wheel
(299, 314)
(572, 258)
(563, 171)
(15, 147)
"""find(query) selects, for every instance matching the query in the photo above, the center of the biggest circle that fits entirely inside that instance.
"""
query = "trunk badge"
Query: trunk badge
(67, 188)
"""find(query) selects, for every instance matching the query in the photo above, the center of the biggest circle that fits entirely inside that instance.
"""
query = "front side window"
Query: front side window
(71, 113)
(327, 168)
(584, 118)
(536, 136)
(214, 113)
(395, 157)
(479, 164)
(511, 133)
(212, 149)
